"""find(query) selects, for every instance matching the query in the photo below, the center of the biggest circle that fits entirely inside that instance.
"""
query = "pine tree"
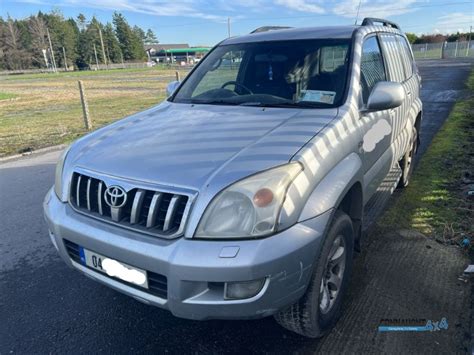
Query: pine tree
(150, 37)
(112, 45)
(81, 22)
(64, 37)
(14, 55)
(130, 42)
(88, 39)
(139, 32)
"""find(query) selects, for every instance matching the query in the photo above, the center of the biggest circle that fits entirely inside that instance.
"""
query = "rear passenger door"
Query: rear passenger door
(400, 69)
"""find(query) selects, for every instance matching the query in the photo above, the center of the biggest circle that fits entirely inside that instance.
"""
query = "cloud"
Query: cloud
(301, 5)
(186, 8)
(453, 22)
(373, 8)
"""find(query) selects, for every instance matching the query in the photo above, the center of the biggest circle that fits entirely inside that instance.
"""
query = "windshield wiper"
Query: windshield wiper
(301, 104)
(213, 102)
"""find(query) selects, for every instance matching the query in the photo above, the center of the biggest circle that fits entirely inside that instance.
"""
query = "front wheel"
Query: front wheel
(320, 307)
(406, 164)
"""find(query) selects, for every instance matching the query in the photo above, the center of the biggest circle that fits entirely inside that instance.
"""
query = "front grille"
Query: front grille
(157, 284)
(152, 212)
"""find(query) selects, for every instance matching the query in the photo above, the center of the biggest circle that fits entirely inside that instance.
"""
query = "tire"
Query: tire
(406, 164)
(309, 316)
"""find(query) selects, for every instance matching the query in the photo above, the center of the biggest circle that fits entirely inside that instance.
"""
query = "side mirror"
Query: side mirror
(171, 88)
(385, 95)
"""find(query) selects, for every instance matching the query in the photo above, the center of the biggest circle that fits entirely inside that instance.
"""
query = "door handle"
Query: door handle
(409, 93)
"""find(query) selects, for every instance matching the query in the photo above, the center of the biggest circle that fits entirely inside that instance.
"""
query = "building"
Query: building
(175, 53)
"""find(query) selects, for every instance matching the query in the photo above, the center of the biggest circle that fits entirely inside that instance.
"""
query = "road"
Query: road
(46, 307)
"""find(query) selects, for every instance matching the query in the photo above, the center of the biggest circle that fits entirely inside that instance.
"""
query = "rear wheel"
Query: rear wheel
(406, 164)
(320, 307)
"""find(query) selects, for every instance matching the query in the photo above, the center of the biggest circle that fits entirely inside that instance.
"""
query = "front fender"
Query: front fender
(333, 187)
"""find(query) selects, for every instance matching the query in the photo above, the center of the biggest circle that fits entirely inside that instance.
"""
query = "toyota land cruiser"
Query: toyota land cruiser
(243, 194)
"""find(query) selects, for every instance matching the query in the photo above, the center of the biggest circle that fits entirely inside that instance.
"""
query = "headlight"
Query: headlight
(58, 180)
(250, 207)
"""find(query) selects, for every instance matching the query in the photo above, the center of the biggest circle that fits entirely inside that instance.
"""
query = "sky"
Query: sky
(204, 22)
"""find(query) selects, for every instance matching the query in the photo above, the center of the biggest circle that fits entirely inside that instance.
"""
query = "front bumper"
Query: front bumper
(196, 270)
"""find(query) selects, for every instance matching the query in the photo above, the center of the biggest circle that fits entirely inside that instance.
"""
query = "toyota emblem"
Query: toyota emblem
(115, 196)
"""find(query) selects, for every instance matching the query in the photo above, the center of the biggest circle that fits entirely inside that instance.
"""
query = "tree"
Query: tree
(14, 56)
(112, 45)
(139, 32)
(411, 37)
(150, 37)
(38, 31)
(81, 22)
(437, 38)
(64, 37)
(130, 42)
(88, 39)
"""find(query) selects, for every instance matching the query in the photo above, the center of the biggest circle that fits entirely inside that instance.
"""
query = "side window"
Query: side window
(332, 58)
(392, 52)
(372, 69)
(407, 58)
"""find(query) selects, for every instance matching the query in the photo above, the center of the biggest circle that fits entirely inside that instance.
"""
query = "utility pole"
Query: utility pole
(102, 44)
(45, 58)
(51, 49)
(469, 42)
(358, 9)
(228, 26)
(96, 60)
(65, 59)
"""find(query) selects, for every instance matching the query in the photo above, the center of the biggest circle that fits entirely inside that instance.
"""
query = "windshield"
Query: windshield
(296, 73)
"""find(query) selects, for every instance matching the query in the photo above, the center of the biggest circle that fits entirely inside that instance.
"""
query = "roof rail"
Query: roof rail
(369, 21)
(270, 28)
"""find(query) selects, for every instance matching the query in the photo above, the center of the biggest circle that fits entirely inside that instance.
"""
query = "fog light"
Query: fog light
(241, 290)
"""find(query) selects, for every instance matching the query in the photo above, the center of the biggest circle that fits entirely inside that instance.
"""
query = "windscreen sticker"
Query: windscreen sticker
(326, 97)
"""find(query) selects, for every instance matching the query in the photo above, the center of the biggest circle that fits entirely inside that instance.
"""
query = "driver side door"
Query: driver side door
(376, 126)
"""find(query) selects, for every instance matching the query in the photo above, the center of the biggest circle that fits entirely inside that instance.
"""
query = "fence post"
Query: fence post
(177, 76)
(85, 107)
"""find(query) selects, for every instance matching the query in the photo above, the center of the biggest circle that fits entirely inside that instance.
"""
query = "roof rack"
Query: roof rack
(270, 28)
(369, 21)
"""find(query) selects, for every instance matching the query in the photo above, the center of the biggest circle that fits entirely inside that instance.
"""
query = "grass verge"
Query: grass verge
(436, 202)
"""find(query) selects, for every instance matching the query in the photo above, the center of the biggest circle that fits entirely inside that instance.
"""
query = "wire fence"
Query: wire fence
(443, 50)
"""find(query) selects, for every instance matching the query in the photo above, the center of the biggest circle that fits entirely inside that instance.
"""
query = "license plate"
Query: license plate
(114, 268)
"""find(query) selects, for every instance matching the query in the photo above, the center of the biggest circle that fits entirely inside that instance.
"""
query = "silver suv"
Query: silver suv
(243, 194)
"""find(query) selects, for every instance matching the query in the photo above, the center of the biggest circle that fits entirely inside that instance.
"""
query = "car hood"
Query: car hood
(189, 146)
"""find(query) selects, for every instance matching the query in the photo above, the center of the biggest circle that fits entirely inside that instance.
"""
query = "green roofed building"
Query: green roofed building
(175, 53)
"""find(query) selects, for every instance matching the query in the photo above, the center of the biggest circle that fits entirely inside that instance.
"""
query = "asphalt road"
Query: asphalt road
(46, 307)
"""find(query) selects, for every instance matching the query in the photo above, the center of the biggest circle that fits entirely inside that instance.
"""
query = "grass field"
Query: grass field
(41, 110)
(436, 202)
(6, 96)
